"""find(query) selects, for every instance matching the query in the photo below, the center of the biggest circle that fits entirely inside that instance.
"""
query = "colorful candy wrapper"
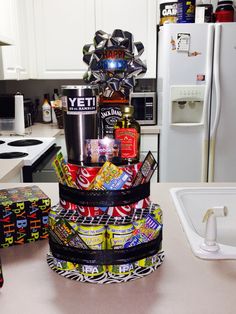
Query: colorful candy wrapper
(146, 171)
(68, 178)
(109, 177)
(145, 230)
(64, 233)
(62, 171)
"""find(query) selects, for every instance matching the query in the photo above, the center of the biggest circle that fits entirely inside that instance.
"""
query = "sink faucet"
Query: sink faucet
(210, 216)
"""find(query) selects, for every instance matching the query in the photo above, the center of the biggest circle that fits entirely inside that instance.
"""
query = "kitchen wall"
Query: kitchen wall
(35, 89)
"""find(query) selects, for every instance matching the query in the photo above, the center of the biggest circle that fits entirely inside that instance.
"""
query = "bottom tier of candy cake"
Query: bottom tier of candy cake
(104, 248)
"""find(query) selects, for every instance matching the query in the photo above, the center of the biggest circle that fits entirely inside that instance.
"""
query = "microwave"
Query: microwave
(145, 107)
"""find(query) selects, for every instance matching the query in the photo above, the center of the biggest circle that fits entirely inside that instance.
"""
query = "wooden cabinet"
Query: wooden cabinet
(135, 16)
(62, 28)
(14, 59)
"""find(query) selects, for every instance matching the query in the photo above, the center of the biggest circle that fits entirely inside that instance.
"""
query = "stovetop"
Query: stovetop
(33, 151)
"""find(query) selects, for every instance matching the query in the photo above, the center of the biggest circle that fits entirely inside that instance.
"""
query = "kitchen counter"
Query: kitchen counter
(9, 168)
(183, 284)
(39, 130)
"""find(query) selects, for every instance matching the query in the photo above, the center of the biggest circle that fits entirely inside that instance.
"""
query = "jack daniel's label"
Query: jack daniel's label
(109, 114)
(77, 105)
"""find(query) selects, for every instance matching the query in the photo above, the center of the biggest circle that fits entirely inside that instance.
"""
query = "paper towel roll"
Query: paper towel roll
(19, 115)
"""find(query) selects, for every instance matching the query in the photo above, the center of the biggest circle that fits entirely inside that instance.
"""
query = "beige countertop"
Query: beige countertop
(39, 130)
(9, 167)
(183, 284)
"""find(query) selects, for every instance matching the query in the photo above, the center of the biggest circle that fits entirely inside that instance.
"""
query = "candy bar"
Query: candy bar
(146, 171)
(109, 177)
(66, 234)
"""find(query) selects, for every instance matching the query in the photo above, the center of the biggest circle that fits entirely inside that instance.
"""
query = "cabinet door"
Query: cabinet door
(14, 59)
(135, 16)
(62, 28)
(149, 142)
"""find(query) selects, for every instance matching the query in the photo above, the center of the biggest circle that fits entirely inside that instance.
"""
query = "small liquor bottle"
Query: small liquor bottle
(46, 110)
(127, 130)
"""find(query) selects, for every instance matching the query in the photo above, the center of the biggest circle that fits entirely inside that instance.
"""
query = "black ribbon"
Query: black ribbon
(100, 198)
(105, 257)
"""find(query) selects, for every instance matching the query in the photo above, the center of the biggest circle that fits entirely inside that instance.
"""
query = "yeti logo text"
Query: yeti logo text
(82, 104)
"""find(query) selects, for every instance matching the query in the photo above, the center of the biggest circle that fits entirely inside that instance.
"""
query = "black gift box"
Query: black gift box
(23, 215)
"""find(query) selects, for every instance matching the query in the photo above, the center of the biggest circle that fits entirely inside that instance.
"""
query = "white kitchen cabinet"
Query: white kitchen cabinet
(14, 59)
(135, 16)
(62, 28)
(149, 142)
(16, 177)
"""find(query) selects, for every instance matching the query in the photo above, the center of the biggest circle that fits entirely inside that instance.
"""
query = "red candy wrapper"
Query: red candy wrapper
(122, 211)
(67, 205)
(73, 170)
(132, 171)
(89, 211)
(85, 176)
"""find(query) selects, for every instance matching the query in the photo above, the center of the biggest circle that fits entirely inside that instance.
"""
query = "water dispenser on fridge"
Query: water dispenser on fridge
(187, 105)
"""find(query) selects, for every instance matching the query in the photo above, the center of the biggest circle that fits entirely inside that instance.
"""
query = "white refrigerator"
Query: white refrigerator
(197, 102)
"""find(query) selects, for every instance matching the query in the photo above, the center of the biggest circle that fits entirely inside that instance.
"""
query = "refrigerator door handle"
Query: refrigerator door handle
(209, 57)
(216, 69)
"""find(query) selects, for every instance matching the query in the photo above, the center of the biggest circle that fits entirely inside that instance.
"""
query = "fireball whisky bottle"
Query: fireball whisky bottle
(127, 130)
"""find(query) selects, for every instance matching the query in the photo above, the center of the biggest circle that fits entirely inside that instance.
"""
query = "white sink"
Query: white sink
(191, 205)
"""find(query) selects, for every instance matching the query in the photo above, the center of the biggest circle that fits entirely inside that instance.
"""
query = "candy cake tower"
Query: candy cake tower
(105, 229)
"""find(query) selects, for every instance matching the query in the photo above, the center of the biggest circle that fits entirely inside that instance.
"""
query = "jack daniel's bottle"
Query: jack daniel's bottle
(127, 130)
(110, 112)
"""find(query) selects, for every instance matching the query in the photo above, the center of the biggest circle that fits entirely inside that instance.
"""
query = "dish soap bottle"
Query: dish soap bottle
(46, 110)
(127, 130)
